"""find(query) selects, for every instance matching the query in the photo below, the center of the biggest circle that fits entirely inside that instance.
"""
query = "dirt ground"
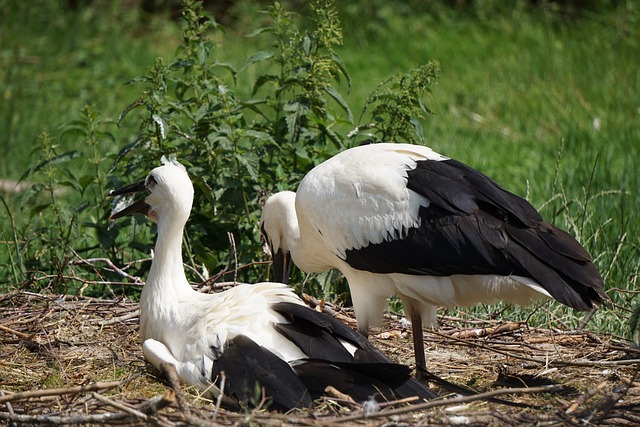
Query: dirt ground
(77, 361)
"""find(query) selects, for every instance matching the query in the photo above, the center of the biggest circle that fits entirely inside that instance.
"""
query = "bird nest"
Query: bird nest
(75, 360)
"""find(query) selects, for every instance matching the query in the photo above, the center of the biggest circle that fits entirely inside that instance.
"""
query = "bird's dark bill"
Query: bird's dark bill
(137, 187)
(138, 207)
(281, 266)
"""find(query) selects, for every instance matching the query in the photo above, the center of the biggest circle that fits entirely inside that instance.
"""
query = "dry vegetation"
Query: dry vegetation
(77, 360)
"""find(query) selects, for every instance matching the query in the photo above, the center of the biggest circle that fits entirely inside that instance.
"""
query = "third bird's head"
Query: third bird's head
(169, 194)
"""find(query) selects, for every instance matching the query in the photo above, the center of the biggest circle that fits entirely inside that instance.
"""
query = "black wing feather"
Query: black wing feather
(362, 380)
(305, 326)
(249, 367)
(473, 226)
(458, 177)
(365, 373)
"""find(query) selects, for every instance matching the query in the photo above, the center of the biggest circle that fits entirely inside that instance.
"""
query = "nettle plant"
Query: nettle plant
(238, 148)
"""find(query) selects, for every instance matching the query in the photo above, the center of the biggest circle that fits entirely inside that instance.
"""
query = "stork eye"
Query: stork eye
(151, 182)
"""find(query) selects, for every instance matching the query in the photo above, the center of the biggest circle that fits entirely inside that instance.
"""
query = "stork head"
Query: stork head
(170, 195)
(279, 227)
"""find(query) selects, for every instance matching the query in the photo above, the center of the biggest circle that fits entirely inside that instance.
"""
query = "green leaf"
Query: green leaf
(294, 112)
(306, 45)
(85, 180)
(261, 80)
(259, 31)
(338, 98)
(60, 158)
(124, 151)
(77, 131)
(128, 108)
(39, 208)
(337, 60)
(258, 57)
(229, 67)
(260, 136)
(250, 162)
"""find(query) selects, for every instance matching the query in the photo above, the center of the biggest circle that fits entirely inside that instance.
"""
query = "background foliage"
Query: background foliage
(543, 98)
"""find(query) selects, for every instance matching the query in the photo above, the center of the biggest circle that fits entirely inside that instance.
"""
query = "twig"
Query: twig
(84, 281)
(545, 362)
(402, 401)
(232, 242)
(211, 280)
(148, 407)
(333, 392)
(581, 400)
(120, 406)
(313, 302)
(450, 402)
(110, 264)
(171, 374)
(16, 333)
(223, 380)
(119, 319)
(587, 317)
(61, 391)
(7, 404)
(484, 332)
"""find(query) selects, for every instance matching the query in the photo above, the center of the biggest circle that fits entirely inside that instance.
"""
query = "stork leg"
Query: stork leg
(418, 343)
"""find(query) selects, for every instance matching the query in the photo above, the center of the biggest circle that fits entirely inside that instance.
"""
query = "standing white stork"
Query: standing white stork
(260, 336)
(403, 219)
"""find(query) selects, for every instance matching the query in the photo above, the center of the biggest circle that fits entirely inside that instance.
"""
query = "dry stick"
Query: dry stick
(83, 281)
(488, 331)
(313, 302)
(208, 284)
(607, 403)
(109, 263)
(171, 374)
(582, 399)
(232, 242)
(540, 361)
(16, 333)
(587, 317)
(120, 406)
(60, 391)
(8, 405)
(447, 402)
(120, 319)
(223, 380)
(148, 407)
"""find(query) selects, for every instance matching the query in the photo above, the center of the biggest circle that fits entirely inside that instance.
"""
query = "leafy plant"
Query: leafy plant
(239, 148)
(238, 145)
(398, 107)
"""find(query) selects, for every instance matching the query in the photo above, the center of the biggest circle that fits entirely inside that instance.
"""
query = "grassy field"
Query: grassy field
(544, 101)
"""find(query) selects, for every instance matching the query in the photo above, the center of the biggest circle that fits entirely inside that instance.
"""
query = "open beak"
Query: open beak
(139, 206)
(281, 266)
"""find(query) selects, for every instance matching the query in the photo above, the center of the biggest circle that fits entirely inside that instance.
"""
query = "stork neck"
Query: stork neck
(166, 269)
(307, 250)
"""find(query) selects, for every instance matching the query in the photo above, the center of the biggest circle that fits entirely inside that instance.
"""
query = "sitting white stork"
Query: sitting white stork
(260, 336)
(403, 219)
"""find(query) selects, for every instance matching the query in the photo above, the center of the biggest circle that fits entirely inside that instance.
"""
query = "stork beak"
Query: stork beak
(281, 266)
(139, 206)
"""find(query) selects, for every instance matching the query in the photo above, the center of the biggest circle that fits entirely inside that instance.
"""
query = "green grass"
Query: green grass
(544, 102)
(54, 61)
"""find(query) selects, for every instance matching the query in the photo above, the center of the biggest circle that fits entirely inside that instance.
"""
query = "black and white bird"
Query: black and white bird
(403, 219)
(260, 335)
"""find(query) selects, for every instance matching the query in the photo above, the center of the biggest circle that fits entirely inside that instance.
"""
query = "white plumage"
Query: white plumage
(403, 219)
(257, 334)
